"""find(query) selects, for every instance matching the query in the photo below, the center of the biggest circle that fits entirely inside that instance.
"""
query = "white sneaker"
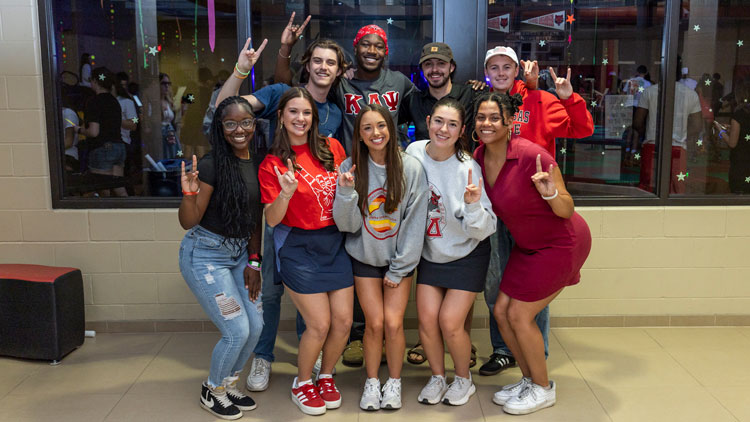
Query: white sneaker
(371, 395)
(260, 373)
(319, 363)
(391, 394)
(434, 391)
(534, 397)
(509, 391)
(459, 391)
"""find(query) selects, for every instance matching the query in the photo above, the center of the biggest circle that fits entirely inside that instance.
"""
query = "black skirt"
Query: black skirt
(467, 273)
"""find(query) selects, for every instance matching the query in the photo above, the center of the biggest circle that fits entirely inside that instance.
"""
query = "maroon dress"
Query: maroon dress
(549, 251)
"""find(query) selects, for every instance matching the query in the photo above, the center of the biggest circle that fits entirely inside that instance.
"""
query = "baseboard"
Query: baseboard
(197, 326)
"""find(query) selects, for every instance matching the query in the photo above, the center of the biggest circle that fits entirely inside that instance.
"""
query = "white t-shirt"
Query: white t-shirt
(86, 75)
(128, 113)
(686, 103)
(632, 85)
(70, 119)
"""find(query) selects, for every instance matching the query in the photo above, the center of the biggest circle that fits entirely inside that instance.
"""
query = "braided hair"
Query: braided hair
(230, 192)
(505, 102)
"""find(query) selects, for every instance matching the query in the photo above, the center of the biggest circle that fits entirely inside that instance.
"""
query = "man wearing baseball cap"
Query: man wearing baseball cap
(540, 119)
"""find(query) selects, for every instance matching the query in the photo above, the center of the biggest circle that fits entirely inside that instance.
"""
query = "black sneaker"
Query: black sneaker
(218, 403)
(497, 364)
(238, 398)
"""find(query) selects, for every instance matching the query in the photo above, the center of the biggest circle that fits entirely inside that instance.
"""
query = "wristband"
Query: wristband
(721, 133)
(253, 265)
(549, 198)
(186, 193)
(241, 72)
(285, 57)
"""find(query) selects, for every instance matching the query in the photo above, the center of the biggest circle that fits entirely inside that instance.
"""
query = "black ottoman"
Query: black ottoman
(41, 311)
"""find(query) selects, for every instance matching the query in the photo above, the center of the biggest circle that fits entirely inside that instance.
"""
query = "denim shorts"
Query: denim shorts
(107, 156)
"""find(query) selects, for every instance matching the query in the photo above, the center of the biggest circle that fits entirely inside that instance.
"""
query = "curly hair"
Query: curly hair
(230, 192)
(505, 102)
(462, 146)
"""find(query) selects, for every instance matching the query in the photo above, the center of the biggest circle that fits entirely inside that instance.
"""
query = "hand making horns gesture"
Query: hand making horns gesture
(346, 179)
(189, 181)
(287, 180)
(249, 56)
(543, 179)
(293, 32)
(562, 85)
(473, 192)
(530, 71)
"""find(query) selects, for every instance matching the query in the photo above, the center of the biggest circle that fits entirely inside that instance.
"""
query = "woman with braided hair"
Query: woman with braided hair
(219, 254)
(551, 243)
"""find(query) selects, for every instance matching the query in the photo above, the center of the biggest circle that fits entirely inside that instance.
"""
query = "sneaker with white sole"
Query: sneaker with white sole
(433, 392)
(371, 395)
(509, 391)
(307, 398)
(329, 392)
(534, 397)
(237, 397)
(391, 394)
(260, 374)
(459, 391)
(216, 402)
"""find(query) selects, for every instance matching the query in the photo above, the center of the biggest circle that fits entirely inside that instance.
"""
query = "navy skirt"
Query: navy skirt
(467, 273)
(312, 261)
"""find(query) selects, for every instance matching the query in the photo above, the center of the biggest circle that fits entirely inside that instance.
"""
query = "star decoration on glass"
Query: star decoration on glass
(191, 98)
(563, 151)
(640, 89)
(681, 177)
(708, 82)
(135, 120)
(747, 137)
(152, 51)
(179, 153)
(389, 21)
(593, 104)
(696, 28)
(603, 152)
(541, 43)
(605, 60)
(222, 59)
(699, 142)
(740, 43)
(747, 179)
(570, 19)
(102, 77)
(637, 156)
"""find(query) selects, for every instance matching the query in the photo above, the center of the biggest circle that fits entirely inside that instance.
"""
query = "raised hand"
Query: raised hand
(543, 179)
(562, 85)
(473, 192)
(189, 181)
(287, 180)
(293, 32)
(346, 179)
(530, 73)
(249, 56)
(476, 85)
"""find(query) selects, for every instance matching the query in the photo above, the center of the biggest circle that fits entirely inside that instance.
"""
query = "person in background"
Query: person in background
(171, 118)
(84, 72)
(737, 137)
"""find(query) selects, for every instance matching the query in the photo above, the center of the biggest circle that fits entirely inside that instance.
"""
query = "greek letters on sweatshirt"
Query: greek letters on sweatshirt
(453, 227)
(379, 238)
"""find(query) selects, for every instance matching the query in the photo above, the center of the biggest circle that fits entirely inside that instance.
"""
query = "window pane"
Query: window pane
(613, 49)
(129, 44)
(715, 142)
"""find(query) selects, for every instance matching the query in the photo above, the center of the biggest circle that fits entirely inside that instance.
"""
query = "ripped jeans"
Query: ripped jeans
(214, 273)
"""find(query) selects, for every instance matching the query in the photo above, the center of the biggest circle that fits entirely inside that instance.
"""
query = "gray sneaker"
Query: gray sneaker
(391, 394)
(260, 374)
(371, 395)
(433, 392)
(534, 397)
(509, 391)
(459, 392)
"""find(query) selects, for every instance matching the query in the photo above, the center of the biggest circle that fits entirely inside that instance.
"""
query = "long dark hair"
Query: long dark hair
(462, 147)
(282, 146)
(395, 185)
(230, 192)
(505, 102)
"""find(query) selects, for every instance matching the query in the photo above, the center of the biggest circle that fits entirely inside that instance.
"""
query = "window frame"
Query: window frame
(244, 27)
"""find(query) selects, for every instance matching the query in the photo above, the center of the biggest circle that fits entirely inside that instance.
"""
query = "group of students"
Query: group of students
(368, 216)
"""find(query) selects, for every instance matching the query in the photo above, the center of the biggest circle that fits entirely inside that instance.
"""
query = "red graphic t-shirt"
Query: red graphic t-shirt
(311, 206)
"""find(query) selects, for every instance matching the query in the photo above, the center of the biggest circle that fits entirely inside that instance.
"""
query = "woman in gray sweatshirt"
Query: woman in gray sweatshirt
(456, 251)
(381, 203)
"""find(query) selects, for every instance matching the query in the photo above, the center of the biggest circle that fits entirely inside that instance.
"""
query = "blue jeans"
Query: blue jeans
(214, 273)
(502, 243)
(271, 302)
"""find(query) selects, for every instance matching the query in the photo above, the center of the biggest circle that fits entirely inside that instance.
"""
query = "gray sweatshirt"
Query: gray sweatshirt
(380, 239)
(454, 228)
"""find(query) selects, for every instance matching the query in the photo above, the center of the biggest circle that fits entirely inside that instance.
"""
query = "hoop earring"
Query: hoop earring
(473, 137)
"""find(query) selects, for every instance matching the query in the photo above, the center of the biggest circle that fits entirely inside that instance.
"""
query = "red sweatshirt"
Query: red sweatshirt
(543, 117)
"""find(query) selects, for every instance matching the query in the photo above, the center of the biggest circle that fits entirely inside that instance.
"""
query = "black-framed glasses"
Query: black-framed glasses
(231, 125)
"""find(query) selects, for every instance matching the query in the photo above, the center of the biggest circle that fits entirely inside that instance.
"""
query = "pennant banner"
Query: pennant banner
(554, 20)
(499, 23)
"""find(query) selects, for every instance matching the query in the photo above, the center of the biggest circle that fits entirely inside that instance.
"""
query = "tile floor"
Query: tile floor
(603, 374)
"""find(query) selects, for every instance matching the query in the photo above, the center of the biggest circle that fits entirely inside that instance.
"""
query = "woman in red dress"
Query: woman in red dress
(551, 243)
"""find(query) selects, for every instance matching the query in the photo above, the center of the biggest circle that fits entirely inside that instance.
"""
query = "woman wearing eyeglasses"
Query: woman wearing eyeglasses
(171, 118)
(219, 254)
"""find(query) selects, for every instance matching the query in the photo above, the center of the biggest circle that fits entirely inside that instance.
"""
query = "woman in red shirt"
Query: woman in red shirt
(551, 243)
(298, 185)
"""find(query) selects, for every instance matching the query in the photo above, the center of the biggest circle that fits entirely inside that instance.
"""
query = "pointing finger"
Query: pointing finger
(551, 167)
(247, 44)
(262, 46)
(183, 169)
(539, 163)
(291, 20)
(568, 77)
(469, 178)
(304, 24)
(276, 169)
(480, 184)
(351, 170)
(289, 164)
(552, 73)
(195, 163)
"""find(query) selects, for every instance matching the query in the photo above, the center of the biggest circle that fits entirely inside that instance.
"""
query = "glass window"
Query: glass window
(134, 78)
(613, 49)
(711, 155)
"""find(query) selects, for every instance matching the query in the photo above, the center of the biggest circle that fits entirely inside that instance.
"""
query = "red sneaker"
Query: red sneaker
(308, 400)
(329, 393)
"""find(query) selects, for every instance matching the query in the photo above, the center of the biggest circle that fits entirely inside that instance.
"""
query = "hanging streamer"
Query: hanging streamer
(143, 36)
(195, 32)
(211, 25)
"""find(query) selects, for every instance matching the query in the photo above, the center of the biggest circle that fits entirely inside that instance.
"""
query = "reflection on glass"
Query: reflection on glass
(613, 50)
(135, 80)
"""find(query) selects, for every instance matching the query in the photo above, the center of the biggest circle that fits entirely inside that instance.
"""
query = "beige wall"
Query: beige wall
(645, 261)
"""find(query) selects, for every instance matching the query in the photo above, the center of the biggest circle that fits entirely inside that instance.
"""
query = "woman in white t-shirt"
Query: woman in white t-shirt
(70, 122)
